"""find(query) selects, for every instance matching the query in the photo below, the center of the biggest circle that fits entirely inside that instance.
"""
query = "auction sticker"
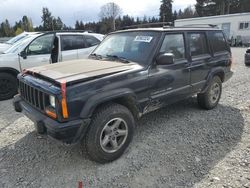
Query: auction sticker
(143, 39)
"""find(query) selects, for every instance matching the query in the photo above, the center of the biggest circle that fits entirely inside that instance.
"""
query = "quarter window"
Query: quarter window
(72, 42)
(91, 41)
(218, 42)
(174, 43)
(198, 44)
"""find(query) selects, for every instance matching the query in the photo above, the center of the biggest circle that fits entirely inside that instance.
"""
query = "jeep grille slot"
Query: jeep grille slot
(33, 96)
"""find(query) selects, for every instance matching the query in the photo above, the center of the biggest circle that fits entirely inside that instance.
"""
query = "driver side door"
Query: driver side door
(38, 52)
(170, 82)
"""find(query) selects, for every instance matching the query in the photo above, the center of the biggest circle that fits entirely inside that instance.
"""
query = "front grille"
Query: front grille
(33, 96)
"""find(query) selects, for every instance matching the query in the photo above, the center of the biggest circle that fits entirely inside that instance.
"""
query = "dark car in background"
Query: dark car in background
(247, 57)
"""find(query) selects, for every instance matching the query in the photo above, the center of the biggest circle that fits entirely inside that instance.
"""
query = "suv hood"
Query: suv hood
(83, 69)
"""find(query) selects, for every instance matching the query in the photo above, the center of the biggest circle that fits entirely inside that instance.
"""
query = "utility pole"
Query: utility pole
(113, 9)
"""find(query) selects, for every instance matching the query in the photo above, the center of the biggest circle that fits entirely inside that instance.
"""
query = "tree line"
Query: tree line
(111, 19)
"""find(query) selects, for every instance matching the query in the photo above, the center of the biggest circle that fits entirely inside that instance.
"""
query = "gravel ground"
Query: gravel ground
(178, 146)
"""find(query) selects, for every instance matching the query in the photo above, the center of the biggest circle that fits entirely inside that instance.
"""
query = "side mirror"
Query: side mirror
(165, 59)
(23, 54)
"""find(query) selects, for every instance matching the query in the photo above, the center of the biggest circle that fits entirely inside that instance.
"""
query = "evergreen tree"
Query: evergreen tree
(166, 14)
(47, 19)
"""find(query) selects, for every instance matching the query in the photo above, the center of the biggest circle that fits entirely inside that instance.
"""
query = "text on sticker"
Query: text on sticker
(143, 39)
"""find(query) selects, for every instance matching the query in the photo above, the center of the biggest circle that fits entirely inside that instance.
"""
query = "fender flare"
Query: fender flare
(101, 98)
(216, 71)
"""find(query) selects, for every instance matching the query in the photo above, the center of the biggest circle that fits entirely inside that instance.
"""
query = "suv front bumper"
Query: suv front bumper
(68, 132)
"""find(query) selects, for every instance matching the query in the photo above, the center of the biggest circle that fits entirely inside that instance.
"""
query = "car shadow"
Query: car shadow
(174, 146)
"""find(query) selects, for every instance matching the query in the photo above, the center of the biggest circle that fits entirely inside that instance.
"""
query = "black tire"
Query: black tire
(205, 100)
(8, 86)
(101, 118)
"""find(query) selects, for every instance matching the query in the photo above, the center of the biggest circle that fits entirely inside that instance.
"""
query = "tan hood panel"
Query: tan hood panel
(79, 69)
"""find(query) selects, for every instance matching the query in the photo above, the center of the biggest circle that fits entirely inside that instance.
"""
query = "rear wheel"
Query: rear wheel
(110, 133)
(211, 97)
(8, 86)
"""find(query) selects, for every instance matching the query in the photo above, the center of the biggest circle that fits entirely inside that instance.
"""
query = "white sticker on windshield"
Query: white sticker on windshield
(143, 38)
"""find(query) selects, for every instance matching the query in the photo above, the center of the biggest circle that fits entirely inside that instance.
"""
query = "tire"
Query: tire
(211, 97)
(8, 86)
(102, 130)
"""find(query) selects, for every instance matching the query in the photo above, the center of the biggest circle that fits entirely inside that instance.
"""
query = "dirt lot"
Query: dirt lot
(178, 146)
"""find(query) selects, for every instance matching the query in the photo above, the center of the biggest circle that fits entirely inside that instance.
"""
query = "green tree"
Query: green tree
(47, 19)
(166, 14)
(18, 31)
(6, 30)
(77, 25)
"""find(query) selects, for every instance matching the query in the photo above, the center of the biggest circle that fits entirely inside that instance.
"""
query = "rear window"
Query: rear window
(198, 44)
(72, 42)
(218, 41)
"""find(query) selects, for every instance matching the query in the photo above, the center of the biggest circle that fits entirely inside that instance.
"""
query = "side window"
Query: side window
(41, 45)
(72, 42)
(198, 44)
(174, 43)
(91, 41)
(218, 42)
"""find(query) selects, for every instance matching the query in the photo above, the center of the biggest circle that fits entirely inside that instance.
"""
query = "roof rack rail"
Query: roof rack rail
(72, 31)
(156, 24)
(201, 25)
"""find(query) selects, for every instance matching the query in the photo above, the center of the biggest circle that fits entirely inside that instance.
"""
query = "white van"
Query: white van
(42, 49)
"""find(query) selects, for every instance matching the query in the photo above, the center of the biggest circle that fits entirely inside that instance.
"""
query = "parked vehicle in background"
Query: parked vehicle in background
(4, 46)
(247, 57)
(42, 49)
(131, 73)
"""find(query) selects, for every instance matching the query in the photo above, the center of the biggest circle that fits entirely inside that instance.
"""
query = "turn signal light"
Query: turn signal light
(51, 114)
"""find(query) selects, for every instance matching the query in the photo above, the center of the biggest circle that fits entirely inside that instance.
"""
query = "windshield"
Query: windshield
(17, 38)
(134, 46)
(18, 45)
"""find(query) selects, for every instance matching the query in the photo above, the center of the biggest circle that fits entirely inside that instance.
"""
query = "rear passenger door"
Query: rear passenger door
(200, 57)
(170, 83)
(70, 45)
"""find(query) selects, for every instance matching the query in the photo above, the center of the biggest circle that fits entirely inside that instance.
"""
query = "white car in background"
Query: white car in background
(5, 45)
(42, 49)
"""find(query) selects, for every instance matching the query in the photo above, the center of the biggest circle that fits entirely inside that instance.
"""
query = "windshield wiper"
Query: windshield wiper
(115, 57)
(97, 56)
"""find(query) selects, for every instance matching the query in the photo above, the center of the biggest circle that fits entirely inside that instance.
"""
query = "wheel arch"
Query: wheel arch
(215, 72)
(123, 97)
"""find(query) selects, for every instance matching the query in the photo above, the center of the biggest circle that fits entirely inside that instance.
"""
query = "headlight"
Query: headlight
(52, 101)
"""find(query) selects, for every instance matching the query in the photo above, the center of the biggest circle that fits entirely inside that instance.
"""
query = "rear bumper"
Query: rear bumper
(68, 132)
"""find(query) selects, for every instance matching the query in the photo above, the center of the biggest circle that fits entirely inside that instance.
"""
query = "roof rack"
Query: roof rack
(157, 24)
(65, 31)
(199, 25)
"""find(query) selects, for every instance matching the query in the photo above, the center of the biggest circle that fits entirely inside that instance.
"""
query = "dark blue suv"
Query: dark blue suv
(131, 73)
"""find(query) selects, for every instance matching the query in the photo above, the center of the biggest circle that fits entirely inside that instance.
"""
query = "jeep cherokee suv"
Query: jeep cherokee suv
(131, 73)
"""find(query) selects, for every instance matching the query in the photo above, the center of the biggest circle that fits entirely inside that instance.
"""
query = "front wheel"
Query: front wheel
(110, 133)
(8, 86)
(211, 97)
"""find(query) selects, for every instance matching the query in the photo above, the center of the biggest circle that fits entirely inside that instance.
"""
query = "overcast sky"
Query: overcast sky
(85, 10)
